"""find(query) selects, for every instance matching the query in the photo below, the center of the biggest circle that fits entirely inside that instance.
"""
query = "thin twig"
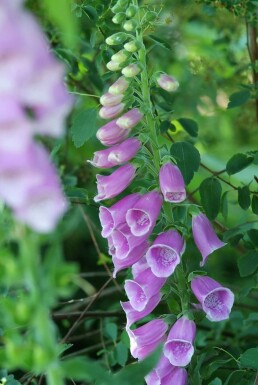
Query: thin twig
(88, 314)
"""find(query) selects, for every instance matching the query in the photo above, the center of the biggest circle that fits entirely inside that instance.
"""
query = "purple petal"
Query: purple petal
(178, 376)
(133, 256)
(205, 237)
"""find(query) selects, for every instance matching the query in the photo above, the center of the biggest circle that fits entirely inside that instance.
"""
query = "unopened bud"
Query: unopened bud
(131, 11)
(119, 18)
(120, 56)
(167, 83)
(111, 112)
(119, 86)
(132, 46)
(129, 119)
(116, 38)
(150, 16)
(120, 6)
(130, 25)
(131, 70)
(109, 100)
(113, 65)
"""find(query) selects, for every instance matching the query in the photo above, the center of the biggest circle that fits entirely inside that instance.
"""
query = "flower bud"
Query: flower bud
(119, 6)
(167, 83)
(109, 100)
(150, 16)
(119, 18)
(131, 70)
(119, 86)
(116, 38)
(129, 119)
(120, 56)
(131, 11)
(132, 46)
(172, 183)
(130, 25)
(111, 111)
(113, 66)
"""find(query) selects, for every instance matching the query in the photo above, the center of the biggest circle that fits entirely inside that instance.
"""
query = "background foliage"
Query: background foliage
(208, 46)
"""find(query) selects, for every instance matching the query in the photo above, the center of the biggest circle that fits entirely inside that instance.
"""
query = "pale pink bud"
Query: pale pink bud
(120, 86)
(167, 83)
(113, 65)
(111, 134)
(131, 70)
(109, 100)
(130, 119)
(111, 112)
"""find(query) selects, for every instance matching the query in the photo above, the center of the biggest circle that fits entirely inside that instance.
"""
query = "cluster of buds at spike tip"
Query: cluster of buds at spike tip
(31, 80)
(129, 223)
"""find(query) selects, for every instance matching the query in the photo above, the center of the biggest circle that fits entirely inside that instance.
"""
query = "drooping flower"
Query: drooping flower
(119, 87)
(142, 217)
(129, 119)
(164, 254)
(111, 134)
(111, 217)
(113, 184)
(168, 83)
(111, 112)
(109, 100)
(163, 369)
(177, 376)
(146, 338)
(133, 315)
(179, 346)
(172, 183)
(134, 256)
(205, 237)
(144, 286)
(116, 155)
(216, 300)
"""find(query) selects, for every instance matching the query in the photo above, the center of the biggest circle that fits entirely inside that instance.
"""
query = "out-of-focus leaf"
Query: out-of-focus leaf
(249, 359)
(81, 369)
(238, 163)
(238, 230)
(111, 330)
(238, 98)
(187, 157)
(248, 263)
(83, 126)
(244, 199)
(210, 191)
(190, 126)
(121, 353)
(255, 204)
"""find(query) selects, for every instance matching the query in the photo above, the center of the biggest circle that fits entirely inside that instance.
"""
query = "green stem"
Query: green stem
(182, 288)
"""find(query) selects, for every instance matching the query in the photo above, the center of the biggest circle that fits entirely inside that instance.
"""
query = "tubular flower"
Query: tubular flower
(216, 300)
(113, 184)
(129, 119)
(146, 338)
(172, 183)
(205, 237)
(177, 376)
(144, 286)
(111, 134)
(133, 256)
(164, 254)
(161, 371)
(133, 315)
(168, 83)
(116, 155)
(142, 217)
(179, 346)
(113, 216)
(109, 112)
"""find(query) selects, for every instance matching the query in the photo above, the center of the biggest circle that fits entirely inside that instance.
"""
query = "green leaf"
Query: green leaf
(255, 204)
(121, 353)
(81, 369)
(224, 205)
(249, 359)
(239, 230)
(253, 235)
(59, 12)
(83, 126)
(160, 42)
(137, 371)
(189, 126)
(111, 331)
(248, 263)
(244, 199)
(238, 98)
(187, 157)
(165, 126)
(238, 163)
(216, 381)
(210, 191)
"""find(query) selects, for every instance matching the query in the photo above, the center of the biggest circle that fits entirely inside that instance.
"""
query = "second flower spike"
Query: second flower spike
(172, 183)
